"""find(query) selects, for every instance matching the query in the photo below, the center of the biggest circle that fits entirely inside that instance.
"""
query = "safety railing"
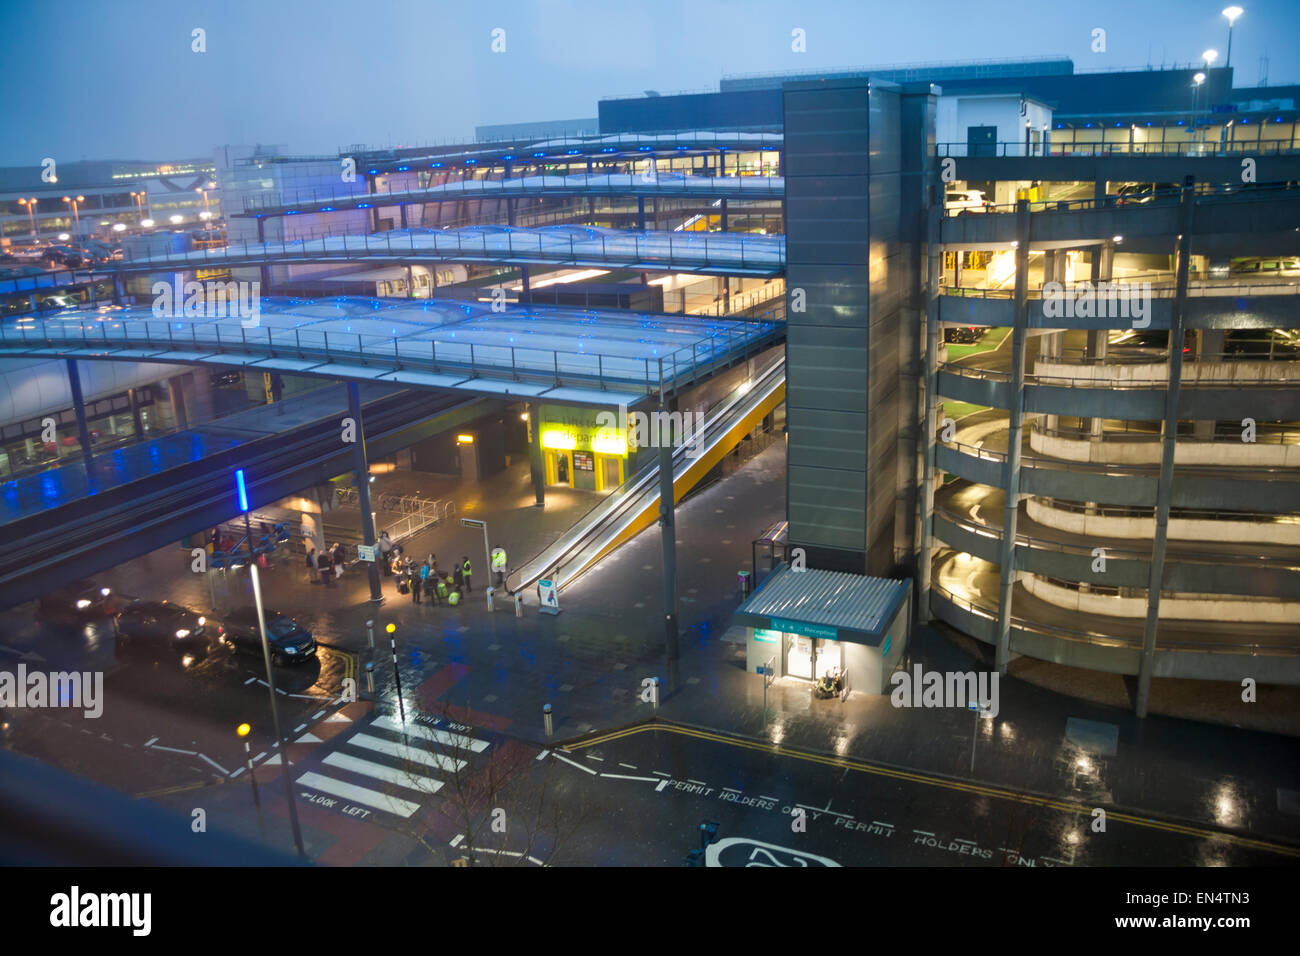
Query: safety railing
(1222, 192)
(1127, 431)
(1160, 288)
(1087, 550)
(1115, 384)
(1148, 512)
(1111, 469)
(1168, 641)
(716, 349)
(668, 251)
(1053, 147)
(594, 183)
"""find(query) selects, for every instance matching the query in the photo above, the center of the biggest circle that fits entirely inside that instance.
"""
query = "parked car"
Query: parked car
(291, 643)
(963, 335)
(1265, 267)
(163, 630)
(83, 600)
(962, 201)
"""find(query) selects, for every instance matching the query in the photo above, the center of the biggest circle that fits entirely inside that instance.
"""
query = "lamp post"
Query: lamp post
(30, 205)
(243, 731)
(1209, 56)
(1197, 80)
(76, 217)
(266, 657)
(1231, 13)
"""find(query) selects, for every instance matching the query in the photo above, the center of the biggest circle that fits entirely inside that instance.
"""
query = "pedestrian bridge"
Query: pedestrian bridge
(651, 184)
(592, 357)
(739, 254)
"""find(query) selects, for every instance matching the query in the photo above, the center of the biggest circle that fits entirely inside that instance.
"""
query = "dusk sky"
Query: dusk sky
(118, 80)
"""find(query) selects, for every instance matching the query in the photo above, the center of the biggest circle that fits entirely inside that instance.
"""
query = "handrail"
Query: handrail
(1255, 192)
(1112, 469)
(1096, 638)
(1051, 148)
(1155, 384)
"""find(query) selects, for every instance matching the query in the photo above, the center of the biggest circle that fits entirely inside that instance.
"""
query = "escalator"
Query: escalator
(634, 506)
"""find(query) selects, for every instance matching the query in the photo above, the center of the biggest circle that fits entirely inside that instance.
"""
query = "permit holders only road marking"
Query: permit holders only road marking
(366, 797)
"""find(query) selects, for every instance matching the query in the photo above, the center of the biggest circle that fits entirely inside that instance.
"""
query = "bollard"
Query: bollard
(370, 633)
(370, 677)
(519, 604)
(742, 584)
(397, 679)
(490, 591)
(546, 718)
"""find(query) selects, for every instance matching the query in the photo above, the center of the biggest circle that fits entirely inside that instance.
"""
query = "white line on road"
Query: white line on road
(698, 783)
(623, 776)
(542, 755)
(879, 824)
(923, 832)
(662, 784)
(249, 681)
(379, 771)
(628, 765)
(237, 772)
(318, 715)
(575, 764)
(173, 750)
(662, 774)
(594, 757)
(761, 797)
(215, 764)
(150, 741)
(403, 752)
(824, 810)
(300, 728)
(371, 798)
(733, 790)
(457, 841)
(429, 733)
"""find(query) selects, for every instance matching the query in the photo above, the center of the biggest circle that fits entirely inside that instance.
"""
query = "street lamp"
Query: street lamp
(139, 198)
(31, 213)
(243, 731)
(1231, 13)
(76, 217)
(242, 490)
(1197, 80)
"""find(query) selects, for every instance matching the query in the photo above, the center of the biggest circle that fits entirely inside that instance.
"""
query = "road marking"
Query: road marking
(698, 783)
(542, 755)
(733, 790)
(458, 839)
(338, 717)
(309, 738)
(623, 776)
(403, 752)
(371, 798)
(824, 810)
(223, 770)
(575, 764)
(150, 741)
(662, 774)
(773, 799)
(594, 757)
(960, 786)
(173, 750)
(628, 765)
(237, 772)
(879, 824)
(301, 727)
(379, 771)
(923, 832)
(318, 715)
(249, 681)
(430, 733)
(259, 756)
(662, 784)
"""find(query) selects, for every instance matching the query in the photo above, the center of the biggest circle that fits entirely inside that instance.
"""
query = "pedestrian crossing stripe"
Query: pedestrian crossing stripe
(431, 733)
(409, 754)
(362, 795)
(379, 771)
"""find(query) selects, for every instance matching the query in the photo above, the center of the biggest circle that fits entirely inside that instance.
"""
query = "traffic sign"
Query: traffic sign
(367, 552)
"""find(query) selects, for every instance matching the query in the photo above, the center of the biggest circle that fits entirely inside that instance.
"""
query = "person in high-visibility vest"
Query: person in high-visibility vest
(499, 566)
(466, 570)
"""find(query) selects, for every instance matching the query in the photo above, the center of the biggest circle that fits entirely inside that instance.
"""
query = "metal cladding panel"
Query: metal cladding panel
(851, 602)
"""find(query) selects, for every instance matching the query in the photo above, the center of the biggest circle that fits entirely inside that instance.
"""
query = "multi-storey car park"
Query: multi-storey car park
(1042, 484)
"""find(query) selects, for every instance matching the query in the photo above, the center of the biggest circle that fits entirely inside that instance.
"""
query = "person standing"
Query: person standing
(458, 577)
(313, 573)
(465, 567)
(386, 553)
(326, 565)
(417, 585)
(498, 567)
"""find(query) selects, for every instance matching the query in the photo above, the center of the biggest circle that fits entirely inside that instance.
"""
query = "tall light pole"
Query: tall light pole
(31, 213)
(76, 218)
(266, 656)
(1197, 80)
(1209, 56)
(1231, 13)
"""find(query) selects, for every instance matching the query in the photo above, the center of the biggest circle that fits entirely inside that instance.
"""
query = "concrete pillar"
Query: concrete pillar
(136, 420)
(724, 215)
(1164, 488)
(79, 408)
(176, 395)
(410, 280)
(1011, 472)
(361, 476)
(401, 211)
(204, 409)
(536, 466)
(1209, 348)
(640, 213)
(510, 211)
(928, 477)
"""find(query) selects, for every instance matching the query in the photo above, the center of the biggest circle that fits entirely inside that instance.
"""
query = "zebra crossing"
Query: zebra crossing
(403, 757)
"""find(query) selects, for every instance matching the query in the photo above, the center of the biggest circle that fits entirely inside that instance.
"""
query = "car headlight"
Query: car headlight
(105, 591)
(202, 621)
(291, 650)
(183, 632)
(82, 604)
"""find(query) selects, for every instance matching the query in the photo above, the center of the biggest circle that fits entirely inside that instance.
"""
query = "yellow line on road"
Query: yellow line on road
(180, 789)
(999, 793)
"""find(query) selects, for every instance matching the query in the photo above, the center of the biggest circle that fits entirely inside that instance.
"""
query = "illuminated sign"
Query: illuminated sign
(823, 631)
